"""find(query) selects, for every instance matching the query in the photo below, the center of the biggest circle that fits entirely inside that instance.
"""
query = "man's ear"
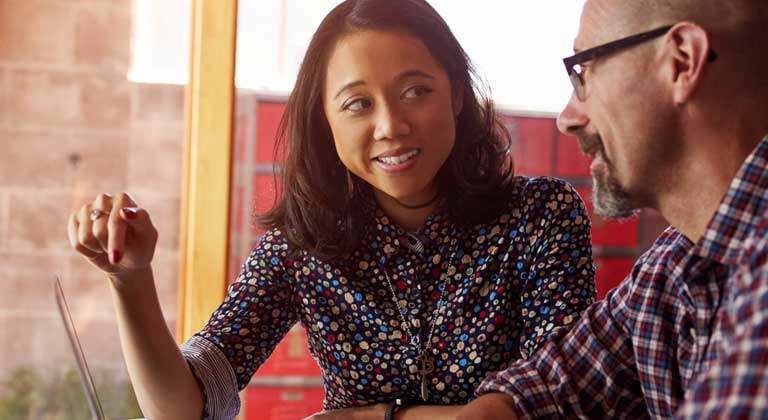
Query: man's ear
(688, 46)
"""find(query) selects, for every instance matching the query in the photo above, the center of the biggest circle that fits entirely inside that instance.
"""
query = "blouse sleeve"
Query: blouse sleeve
(560, 273)
(255, 315)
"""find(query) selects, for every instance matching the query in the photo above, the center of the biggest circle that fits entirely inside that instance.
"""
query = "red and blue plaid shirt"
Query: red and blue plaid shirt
(684, 336)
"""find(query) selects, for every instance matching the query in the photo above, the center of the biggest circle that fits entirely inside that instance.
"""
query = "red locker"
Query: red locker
(282, 403)
(241, 138)
(531, 144)
(268, 115)
(610, 272)
(264, 196)
(571, 161)
(291, 357)
(623, 233)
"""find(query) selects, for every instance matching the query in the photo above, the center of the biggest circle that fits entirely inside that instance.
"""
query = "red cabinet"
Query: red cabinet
(291, 357)
(532, 144)
(268, 115)
(282, 402)
(571, 161)
(609, 233)
(610, 272)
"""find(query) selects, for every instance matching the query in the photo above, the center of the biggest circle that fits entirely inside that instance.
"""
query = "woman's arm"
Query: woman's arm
(118, 238)
(427, 412)
(560, 281)
(492, 406)
(161, 378)
(376, 412)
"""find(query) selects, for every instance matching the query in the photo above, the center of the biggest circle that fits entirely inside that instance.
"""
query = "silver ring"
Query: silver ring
(95, 214)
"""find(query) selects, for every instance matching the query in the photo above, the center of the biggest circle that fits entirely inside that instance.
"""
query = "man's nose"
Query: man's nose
(573, 117)
(391, 123)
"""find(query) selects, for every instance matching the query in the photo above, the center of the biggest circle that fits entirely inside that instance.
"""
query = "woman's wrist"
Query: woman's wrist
(392, 407)
(131, 281)
(396, 407)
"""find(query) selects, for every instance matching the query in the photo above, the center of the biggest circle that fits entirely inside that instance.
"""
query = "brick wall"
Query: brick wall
(71, 126)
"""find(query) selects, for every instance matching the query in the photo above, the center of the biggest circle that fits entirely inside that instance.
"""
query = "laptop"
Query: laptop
(94, 405)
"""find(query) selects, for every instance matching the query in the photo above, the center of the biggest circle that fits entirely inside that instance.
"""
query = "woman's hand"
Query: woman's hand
(114, 234)
(369, 412)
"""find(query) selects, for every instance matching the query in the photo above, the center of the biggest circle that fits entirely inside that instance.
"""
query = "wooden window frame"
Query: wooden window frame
(206, 190)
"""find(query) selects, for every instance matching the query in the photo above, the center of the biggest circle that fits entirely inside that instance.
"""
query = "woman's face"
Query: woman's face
(391, 111)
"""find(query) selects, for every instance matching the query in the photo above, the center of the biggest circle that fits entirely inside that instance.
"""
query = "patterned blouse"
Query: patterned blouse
(509, 283)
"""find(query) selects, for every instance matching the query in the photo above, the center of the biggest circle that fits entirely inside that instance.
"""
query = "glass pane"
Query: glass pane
(272, 38)
(78, 125)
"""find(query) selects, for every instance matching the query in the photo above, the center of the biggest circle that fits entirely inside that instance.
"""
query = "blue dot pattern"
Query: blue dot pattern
(512, 281)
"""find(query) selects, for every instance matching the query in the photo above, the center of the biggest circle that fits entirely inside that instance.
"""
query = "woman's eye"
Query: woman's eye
(416, 91)
(357, 105)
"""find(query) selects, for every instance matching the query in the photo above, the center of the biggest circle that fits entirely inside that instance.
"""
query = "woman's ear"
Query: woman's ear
(458, 101)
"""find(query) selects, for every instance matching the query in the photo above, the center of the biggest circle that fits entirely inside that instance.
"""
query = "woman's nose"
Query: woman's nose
(391, 123)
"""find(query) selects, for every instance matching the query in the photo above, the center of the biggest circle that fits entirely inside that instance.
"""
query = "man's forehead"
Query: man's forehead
(601, 21)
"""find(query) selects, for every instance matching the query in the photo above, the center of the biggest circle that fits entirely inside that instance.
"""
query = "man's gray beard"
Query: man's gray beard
(609, 199)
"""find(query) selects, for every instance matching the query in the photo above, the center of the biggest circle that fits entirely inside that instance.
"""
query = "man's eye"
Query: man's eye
(416, 91)
(358, 105)
(581, 68)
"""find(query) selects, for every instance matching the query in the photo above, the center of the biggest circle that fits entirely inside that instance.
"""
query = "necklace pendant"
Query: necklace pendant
(427, 367)
(424, 389)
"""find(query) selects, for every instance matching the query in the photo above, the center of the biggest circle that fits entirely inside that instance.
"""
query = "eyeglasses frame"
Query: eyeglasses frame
(610, 48)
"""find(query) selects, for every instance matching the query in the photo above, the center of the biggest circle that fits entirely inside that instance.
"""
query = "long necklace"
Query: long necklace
(426, 362)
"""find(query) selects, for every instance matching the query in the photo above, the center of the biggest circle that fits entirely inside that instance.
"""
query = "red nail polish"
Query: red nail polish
(130, 212)
(116, 257)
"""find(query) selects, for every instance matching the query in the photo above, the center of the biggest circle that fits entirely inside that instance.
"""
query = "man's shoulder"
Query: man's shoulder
(667, 245)
(755, 245)
(659, 262)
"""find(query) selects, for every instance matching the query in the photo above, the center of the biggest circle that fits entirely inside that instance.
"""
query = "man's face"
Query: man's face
(624, 121)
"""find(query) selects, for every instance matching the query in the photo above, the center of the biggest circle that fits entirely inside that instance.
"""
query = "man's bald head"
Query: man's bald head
(711, 14)
(737, 29)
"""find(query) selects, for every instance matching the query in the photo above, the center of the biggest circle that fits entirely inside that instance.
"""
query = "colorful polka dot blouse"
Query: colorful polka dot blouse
(510, 282)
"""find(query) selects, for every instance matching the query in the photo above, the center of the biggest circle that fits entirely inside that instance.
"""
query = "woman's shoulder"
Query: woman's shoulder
(529, 193)
(528, 198)
(271, 245)
(545, 184)
(272, 238)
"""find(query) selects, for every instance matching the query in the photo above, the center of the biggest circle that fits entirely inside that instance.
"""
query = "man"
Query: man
(673, 107)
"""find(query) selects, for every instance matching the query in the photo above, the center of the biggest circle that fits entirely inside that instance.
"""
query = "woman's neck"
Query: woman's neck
(408, 215)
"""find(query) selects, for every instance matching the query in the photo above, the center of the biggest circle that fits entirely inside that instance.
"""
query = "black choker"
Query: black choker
(418, 206)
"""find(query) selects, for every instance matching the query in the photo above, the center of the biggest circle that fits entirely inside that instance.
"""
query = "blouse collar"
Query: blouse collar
(437, 229)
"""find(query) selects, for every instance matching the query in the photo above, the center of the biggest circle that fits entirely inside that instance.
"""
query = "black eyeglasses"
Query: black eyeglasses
(602, 50)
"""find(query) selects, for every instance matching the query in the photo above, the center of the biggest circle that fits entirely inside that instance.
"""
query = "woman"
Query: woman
(414, 259)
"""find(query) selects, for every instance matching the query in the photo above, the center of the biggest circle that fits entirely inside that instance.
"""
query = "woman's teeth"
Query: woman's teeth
(396, 160)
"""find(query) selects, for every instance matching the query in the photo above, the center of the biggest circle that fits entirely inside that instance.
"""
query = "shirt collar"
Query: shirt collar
(740, 209)
(389, 237)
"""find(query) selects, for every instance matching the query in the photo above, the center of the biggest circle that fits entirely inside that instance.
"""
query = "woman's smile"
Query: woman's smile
(399, 160)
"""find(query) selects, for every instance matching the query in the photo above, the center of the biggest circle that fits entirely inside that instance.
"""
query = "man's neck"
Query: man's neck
(704, 176)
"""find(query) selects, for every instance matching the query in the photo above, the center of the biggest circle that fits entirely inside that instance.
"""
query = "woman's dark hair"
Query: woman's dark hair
(319, 207)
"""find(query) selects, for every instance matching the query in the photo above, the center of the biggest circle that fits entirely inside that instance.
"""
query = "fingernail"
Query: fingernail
(130, 212)
(116, 257)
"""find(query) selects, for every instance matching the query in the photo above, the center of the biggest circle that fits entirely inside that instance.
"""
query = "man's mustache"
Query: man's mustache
(589, 143)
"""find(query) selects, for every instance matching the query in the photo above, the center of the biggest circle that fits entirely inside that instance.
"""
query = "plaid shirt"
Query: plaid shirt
(685, 335)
